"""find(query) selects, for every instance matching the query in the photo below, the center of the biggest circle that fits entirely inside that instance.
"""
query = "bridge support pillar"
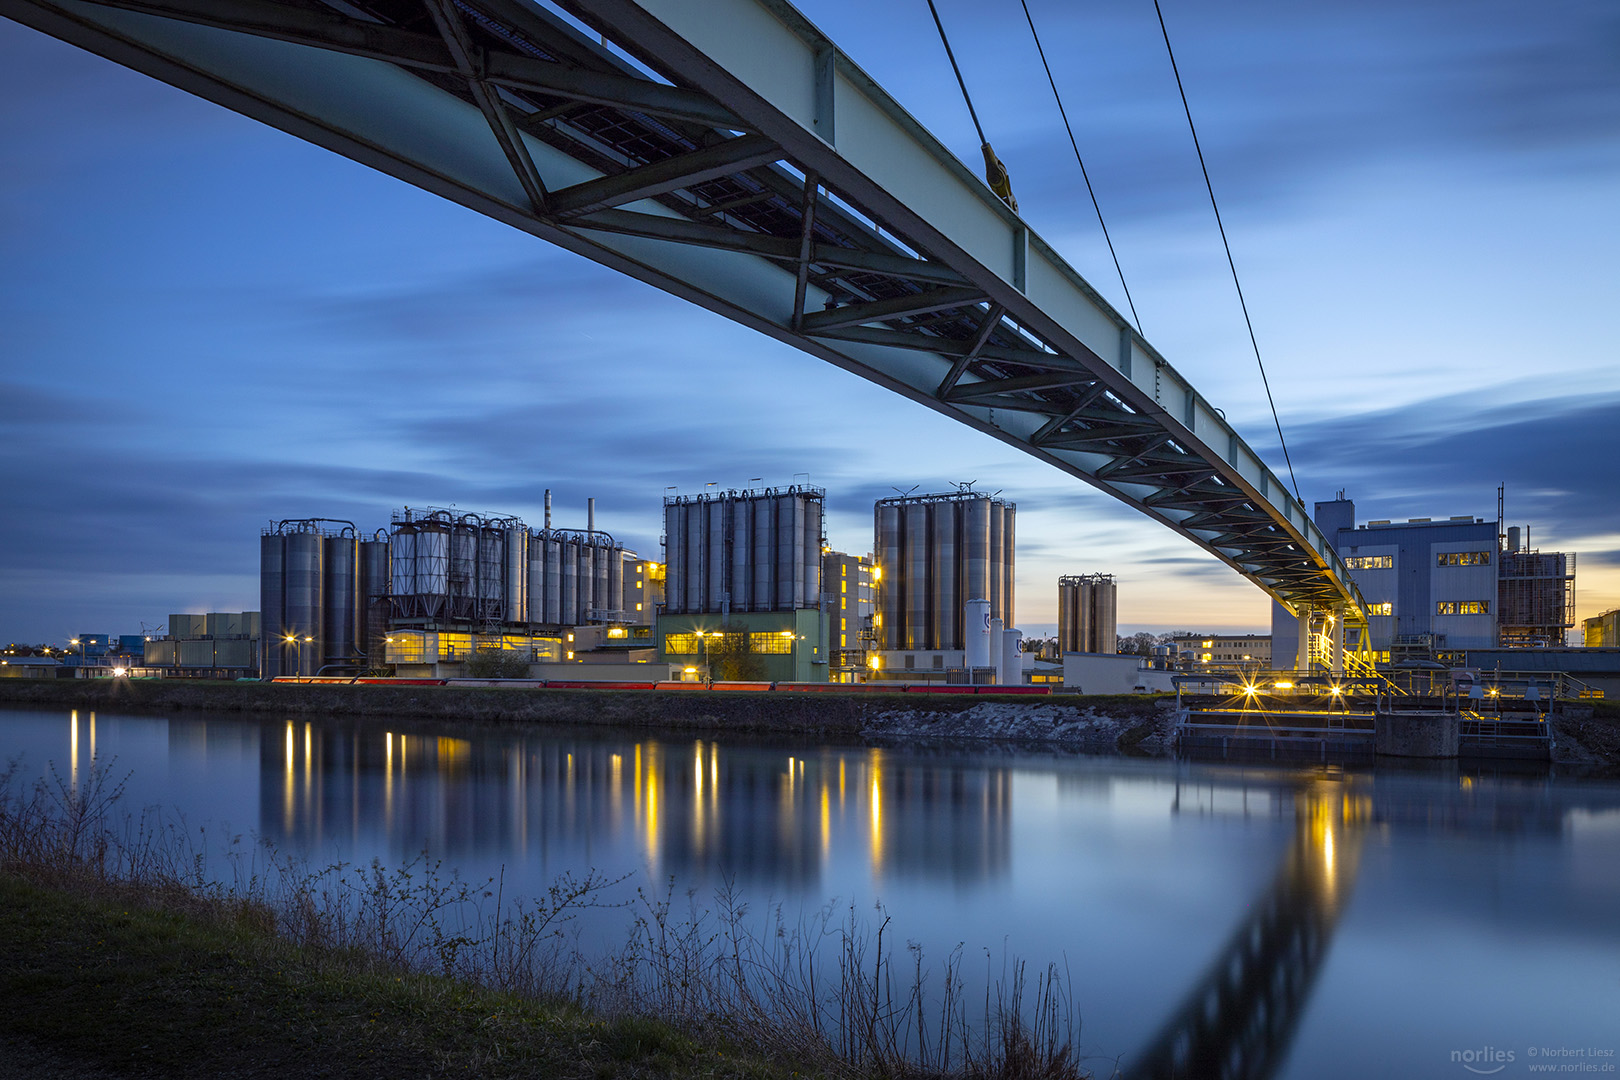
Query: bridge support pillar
(1338, 640)
(1302, 662)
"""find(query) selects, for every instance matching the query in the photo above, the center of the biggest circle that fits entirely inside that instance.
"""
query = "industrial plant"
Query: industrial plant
(1087, 607)
(938, 554)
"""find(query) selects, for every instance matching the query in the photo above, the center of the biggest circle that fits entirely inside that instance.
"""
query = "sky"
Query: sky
(207, 325)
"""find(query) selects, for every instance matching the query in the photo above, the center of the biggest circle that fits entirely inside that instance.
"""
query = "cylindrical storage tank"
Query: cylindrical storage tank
(568, 614)
(516, 600)
(615, 586)
(812, 553)
(697, 550)
(1011, 671)
(433, 568)
(373, 599)
(789, 540)
(742, 555)
(717, 579)
(272, 573)
(535, 612)
(303, 614)
(975, 549)
(944, 629)
(976, 647)
(1008, 592)
(1104, 627)
(997, 579)
(491, 572)
(463, 568)
(341, 602)
(1066, 598)
(603, 598)
(587, 579)
(552, 549)
(1513, 538)
(402, 564)
(674, 559)
(887, 546)
(764, 598)
(915, 571)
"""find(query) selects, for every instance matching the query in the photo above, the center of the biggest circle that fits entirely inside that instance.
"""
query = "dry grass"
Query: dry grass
(261, 959)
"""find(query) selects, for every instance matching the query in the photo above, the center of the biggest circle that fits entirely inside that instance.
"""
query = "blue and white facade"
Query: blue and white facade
(1423, 576)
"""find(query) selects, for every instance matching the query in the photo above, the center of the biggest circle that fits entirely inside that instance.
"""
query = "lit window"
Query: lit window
(1370, 562)
(1463, 558)
(1462, 607)
(1386, 608)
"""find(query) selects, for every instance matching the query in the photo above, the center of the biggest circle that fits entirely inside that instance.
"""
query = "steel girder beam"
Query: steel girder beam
(760, 174)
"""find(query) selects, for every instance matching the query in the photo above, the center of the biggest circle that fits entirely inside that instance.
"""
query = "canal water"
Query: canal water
(1408, 923)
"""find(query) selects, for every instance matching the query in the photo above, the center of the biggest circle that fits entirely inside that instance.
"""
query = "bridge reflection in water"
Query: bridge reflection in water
(1239, 1018)
(694, 809)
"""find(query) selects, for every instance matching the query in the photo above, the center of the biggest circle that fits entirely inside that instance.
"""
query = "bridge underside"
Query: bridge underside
(729, 154)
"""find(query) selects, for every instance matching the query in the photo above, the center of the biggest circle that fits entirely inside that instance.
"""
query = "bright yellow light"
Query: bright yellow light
(787, 633)
(877, 573)
(690, 670)
(309, 639)
(874, 662)
(1283, 685)
(1250, 688)
(118, 671)
(75, 641)
(1338, 690)
(291, 637)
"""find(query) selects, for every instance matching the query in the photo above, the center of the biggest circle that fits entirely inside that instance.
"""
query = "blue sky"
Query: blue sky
(206, 324)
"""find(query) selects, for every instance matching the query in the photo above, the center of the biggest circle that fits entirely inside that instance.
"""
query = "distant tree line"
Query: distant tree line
(1142, 643)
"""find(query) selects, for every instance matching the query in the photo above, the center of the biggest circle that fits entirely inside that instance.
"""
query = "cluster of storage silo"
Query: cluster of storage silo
(743, 551)
(468, 568)
(937, 553)
(1087, 607)
(318, 589)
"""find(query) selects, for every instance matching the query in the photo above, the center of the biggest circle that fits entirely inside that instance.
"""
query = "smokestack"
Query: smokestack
(590, 515)
(548, 509)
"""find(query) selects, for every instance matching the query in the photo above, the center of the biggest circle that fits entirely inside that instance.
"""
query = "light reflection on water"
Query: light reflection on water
(1385, 919)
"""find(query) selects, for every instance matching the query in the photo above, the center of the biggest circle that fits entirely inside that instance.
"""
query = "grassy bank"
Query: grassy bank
(130, 948)
(97, 979)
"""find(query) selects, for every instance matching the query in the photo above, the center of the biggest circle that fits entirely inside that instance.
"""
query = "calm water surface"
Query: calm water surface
(1382, 923)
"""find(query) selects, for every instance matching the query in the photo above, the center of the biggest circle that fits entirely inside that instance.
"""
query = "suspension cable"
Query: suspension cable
(1079, 160)
(1224, 243)
(995, 173)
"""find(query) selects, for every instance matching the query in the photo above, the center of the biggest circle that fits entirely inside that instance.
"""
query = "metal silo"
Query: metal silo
(1008, 590)
(674, 559)
(1105, 628)
(602, 559)
(742, 555)
(615, 581)
(516, 600)
(491, 591)
(374, 586)
(697, 543)
(789, 542)
(463, 567)
(764, 532)
(303, 615)
(944, 614)
(432, 563)
(340, 575)
(998, 580)
(812, 552)
(915, 568)
(569, 612)
(402, 565)
(716, 579)
(585, 553)
(272, 571)
(887, 546)
(976, 549)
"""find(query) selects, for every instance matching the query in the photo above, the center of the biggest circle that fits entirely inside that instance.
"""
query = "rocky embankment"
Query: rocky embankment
(1129, 724)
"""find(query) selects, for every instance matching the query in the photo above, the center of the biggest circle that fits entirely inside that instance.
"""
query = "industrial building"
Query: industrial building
(1223, 650)
(426, 594)
(743, 583)
(1437, 588)
(1087, 610)
(1602, 631)
(851, 583)
(937, 553)
(215, 645)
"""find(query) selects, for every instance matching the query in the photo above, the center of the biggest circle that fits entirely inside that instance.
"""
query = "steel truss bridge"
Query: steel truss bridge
(727, 152)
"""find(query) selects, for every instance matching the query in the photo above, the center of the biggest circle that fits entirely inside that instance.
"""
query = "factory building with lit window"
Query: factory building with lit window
(1438, 588)
(850, 583)
(743, 595)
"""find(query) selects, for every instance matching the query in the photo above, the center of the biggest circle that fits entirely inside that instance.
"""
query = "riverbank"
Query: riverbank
(1586, 736)
(1133, 724)
(97, 981)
